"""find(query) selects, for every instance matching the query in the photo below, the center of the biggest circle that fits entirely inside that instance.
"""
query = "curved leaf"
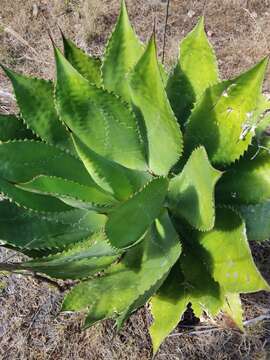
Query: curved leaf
(79, 261)
(149, 97)
(257, 219)
(86, 65)
(30, 201)
(20, 161)
(36, 103)
(248, 182)
(122, 52)
(171, 301)
(140, 268)
(191, 193)
(99, 118)
(231, 261)
(87, 197)
(27, 230)
(130, 220)
(139, 302)
(12, 128)
(195, 71)
(233, 307)
(220, 120)
(114, 178)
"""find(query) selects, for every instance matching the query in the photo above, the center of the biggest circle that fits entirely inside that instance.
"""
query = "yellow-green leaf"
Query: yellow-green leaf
(221, 119)
(122, 52)
(99, 118)
(164, 138)
(195, 71)
(130, 220)
(191, 193)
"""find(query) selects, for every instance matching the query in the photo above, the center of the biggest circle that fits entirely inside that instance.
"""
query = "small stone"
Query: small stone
(35, 10)
(254, 14)
(190, 13)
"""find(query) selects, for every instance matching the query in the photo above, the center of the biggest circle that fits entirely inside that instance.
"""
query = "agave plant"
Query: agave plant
(144, 186)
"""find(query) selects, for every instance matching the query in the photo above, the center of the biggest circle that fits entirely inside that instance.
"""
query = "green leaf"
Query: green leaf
(205, 293)
(263, 135)
(139, 302)
(149, 97)
(220, 120)
(99, 118)
(263, 106)
(86, 197)
(87, 66)
(20, 161)
(233, 307)
(36, 102)
(114, 178)
(122, 53)
(263, 123)
(257, 219)
(30, 201)
(24, 229)
(231, 264)
(130, 220)
(195, 71)
(248, 182)
(141, 267)
(170, 303)
(12, 128)
(79, 261)
(220, 262)
(167, 307)
(191, 193)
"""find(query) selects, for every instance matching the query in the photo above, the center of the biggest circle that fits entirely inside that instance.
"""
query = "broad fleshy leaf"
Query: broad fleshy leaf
(85, 197)
(248, 182)
(263, 125)
(101, 195)
(167, 307)
(114, 178)
(233, 307)
(164, 138)
(123, 51)
(89, 67)
(36, 102)
(31, 201)
(142, 266)
(191, 193)
(12, 128)
(99, 118)
(20, 161)
(24, 229)
(257, 219)
(263, 133)
(228, 255)
(259, 114)
(170, 303)
(220, 120)
(130, 220)
(79, 261)
(195, 71)
(139, 302)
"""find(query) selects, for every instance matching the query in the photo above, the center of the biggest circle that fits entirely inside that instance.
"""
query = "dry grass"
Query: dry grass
(30, 324)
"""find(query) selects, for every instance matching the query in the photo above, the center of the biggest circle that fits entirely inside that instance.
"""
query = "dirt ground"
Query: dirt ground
(30, 324)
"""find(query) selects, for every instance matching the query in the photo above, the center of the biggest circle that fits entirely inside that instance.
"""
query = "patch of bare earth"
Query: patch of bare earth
(30, 324)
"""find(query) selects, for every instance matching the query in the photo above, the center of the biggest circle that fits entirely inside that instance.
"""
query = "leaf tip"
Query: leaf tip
(9, 73)
(200, 23)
